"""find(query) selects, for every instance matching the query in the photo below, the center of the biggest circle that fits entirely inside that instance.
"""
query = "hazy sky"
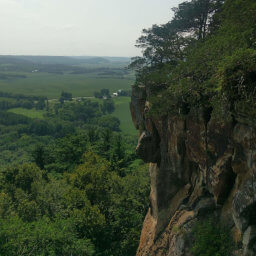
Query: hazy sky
(78, 27)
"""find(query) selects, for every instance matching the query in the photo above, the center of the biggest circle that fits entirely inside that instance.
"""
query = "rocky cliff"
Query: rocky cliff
(200, 168)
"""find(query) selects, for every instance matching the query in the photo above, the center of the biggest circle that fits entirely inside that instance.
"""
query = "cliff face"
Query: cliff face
(200, 168)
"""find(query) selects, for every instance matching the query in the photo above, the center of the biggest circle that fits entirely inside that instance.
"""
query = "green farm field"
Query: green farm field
(122, 112)
(49, 76)
(51, 85)
(32, 113)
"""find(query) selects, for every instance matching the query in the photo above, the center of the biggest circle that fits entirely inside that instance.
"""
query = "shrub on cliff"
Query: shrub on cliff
(237, 75)
(211, 240)
(237, 80)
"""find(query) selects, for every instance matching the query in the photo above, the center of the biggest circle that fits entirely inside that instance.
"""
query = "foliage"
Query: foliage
(98, 209)
(42, 237)
(85, 180)
(10, 100)
(66, 180)
(108, 106)
(9, 119)
(65, 96)
(21, 129)
(167, 43)
(237, 77)
(109, 122)
(82, 111)
(217, 43)
(196, 16)
(117, 200)
(211, 239)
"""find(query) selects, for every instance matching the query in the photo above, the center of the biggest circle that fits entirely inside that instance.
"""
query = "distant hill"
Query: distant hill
(63, 60)
(60, 64)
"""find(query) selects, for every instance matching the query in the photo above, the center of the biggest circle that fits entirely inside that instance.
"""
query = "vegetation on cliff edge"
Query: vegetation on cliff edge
(204, 58)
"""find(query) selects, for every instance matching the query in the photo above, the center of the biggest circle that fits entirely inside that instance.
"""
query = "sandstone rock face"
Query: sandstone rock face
(200, 167)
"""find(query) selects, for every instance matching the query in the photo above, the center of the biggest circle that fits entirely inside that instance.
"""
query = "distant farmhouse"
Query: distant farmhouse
(118, 93)
(121, 93)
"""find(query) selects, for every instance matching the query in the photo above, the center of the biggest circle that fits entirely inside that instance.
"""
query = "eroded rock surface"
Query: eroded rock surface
(200, 167)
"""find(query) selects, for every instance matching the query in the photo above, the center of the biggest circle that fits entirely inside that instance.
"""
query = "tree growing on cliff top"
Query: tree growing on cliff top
(195, 17)
(167, 43)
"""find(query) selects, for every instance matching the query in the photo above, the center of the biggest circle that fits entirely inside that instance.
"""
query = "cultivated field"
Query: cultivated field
(81, 77)
(32, 113)
(51, 85)
(122, 112)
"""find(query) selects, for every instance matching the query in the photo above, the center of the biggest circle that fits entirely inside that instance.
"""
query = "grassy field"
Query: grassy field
(51, 85)
(32, 113)
(122, 112)
(16, 77)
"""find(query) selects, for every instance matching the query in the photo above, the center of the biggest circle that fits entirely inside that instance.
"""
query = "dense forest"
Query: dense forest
(70, 183)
